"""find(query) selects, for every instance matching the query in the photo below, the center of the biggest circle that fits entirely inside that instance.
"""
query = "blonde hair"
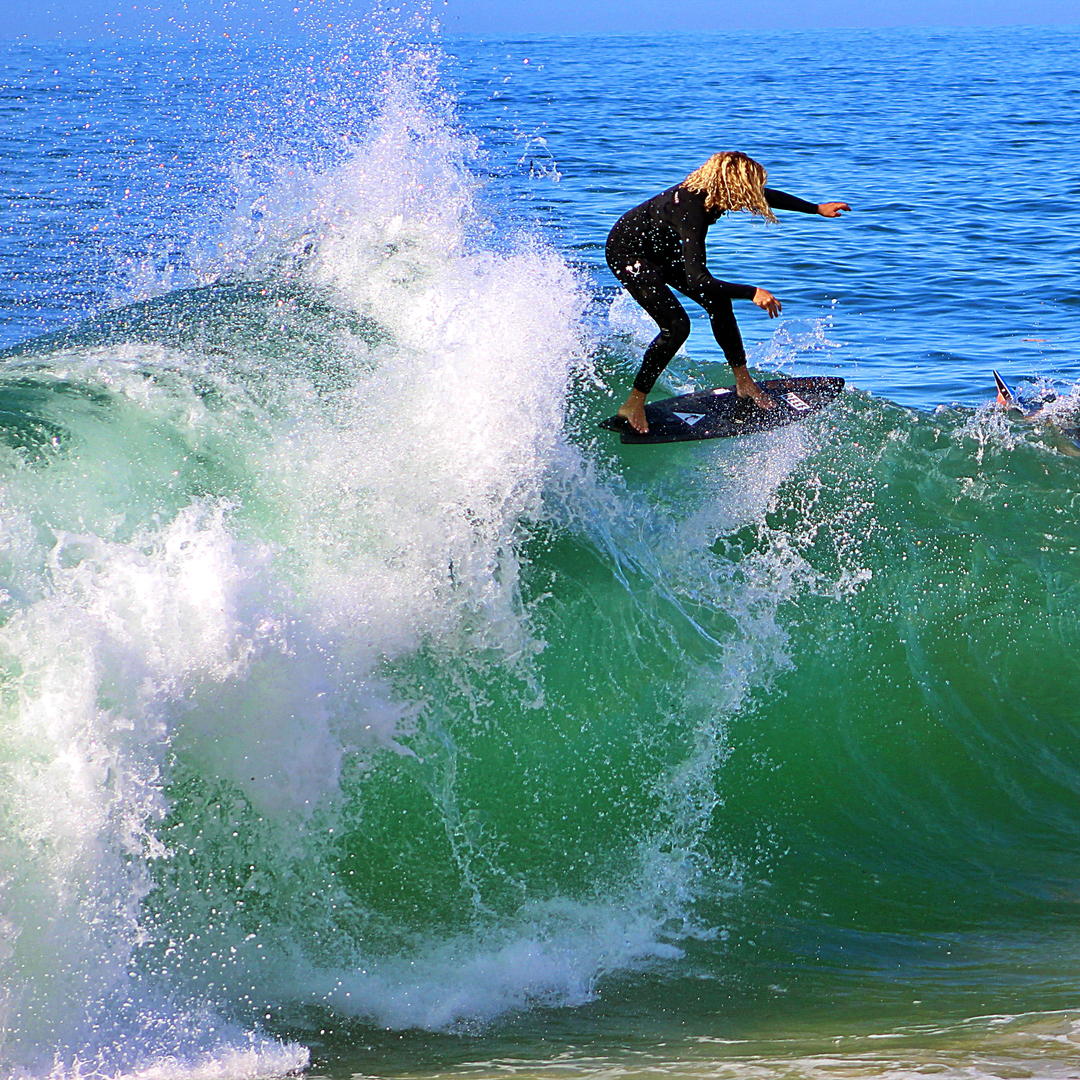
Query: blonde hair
(732, 181)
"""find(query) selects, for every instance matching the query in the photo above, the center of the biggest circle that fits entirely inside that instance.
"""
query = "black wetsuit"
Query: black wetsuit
(661, 243)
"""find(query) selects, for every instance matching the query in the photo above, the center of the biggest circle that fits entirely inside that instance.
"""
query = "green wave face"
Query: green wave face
(792, 711)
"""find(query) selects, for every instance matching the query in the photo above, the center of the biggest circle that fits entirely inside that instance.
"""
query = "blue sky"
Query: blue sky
(102, 19)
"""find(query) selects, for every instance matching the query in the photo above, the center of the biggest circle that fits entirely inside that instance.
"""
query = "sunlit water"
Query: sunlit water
(366, 708)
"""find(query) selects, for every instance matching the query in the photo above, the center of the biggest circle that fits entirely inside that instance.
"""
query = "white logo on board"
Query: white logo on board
(721, 390)
(796, 402)
(690, 418)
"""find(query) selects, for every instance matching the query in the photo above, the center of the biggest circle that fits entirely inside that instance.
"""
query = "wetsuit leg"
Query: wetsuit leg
(721, 316)
(644, 281)
(726, 330)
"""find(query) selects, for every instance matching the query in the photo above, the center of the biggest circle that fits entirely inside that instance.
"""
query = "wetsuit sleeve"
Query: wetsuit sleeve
(691, 226)
(779, 200)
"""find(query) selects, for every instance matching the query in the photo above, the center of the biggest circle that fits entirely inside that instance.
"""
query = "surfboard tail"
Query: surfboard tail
(1004, 394)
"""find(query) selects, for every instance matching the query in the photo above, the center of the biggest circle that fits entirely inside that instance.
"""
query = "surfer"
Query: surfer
(660, 245)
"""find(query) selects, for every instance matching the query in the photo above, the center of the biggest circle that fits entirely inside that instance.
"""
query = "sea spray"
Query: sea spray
(305, 554)
(220, 559)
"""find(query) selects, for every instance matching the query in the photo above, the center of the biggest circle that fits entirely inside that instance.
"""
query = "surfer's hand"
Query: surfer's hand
(767, 302)
(832, 209)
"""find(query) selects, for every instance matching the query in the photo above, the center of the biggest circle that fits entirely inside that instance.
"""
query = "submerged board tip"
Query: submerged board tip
(1004, 394)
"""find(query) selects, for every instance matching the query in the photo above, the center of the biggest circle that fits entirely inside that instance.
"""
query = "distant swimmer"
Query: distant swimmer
(660, 245)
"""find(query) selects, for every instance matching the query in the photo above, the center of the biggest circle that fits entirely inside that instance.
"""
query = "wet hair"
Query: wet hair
(732, 181)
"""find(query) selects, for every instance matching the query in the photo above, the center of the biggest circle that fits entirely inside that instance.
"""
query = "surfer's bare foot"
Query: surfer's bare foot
(633, 412)
(745, 387)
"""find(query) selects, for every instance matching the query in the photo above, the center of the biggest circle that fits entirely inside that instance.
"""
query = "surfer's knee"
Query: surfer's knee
(676, 331)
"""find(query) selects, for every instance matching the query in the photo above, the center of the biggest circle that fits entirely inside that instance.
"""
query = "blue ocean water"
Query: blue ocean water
(365, 709)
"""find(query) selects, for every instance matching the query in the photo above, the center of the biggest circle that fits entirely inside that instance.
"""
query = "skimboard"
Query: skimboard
(721, 413)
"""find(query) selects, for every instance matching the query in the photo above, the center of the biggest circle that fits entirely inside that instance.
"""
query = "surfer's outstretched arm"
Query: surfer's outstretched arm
(780, 200)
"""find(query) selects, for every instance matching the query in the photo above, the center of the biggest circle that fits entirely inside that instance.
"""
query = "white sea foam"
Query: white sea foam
(94, 669)
(144, 628)
(552, 954)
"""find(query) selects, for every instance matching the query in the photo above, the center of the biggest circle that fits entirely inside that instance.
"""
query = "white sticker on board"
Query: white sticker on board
(721, 390)
(690, 418)
(796, 402)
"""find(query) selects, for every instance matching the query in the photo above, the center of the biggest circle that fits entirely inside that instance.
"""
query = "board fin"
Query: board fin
(1004, 394)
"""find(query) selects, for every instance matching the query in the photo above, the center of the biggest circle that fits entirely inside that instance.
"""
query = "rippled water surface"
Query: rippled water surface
(364, 708)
